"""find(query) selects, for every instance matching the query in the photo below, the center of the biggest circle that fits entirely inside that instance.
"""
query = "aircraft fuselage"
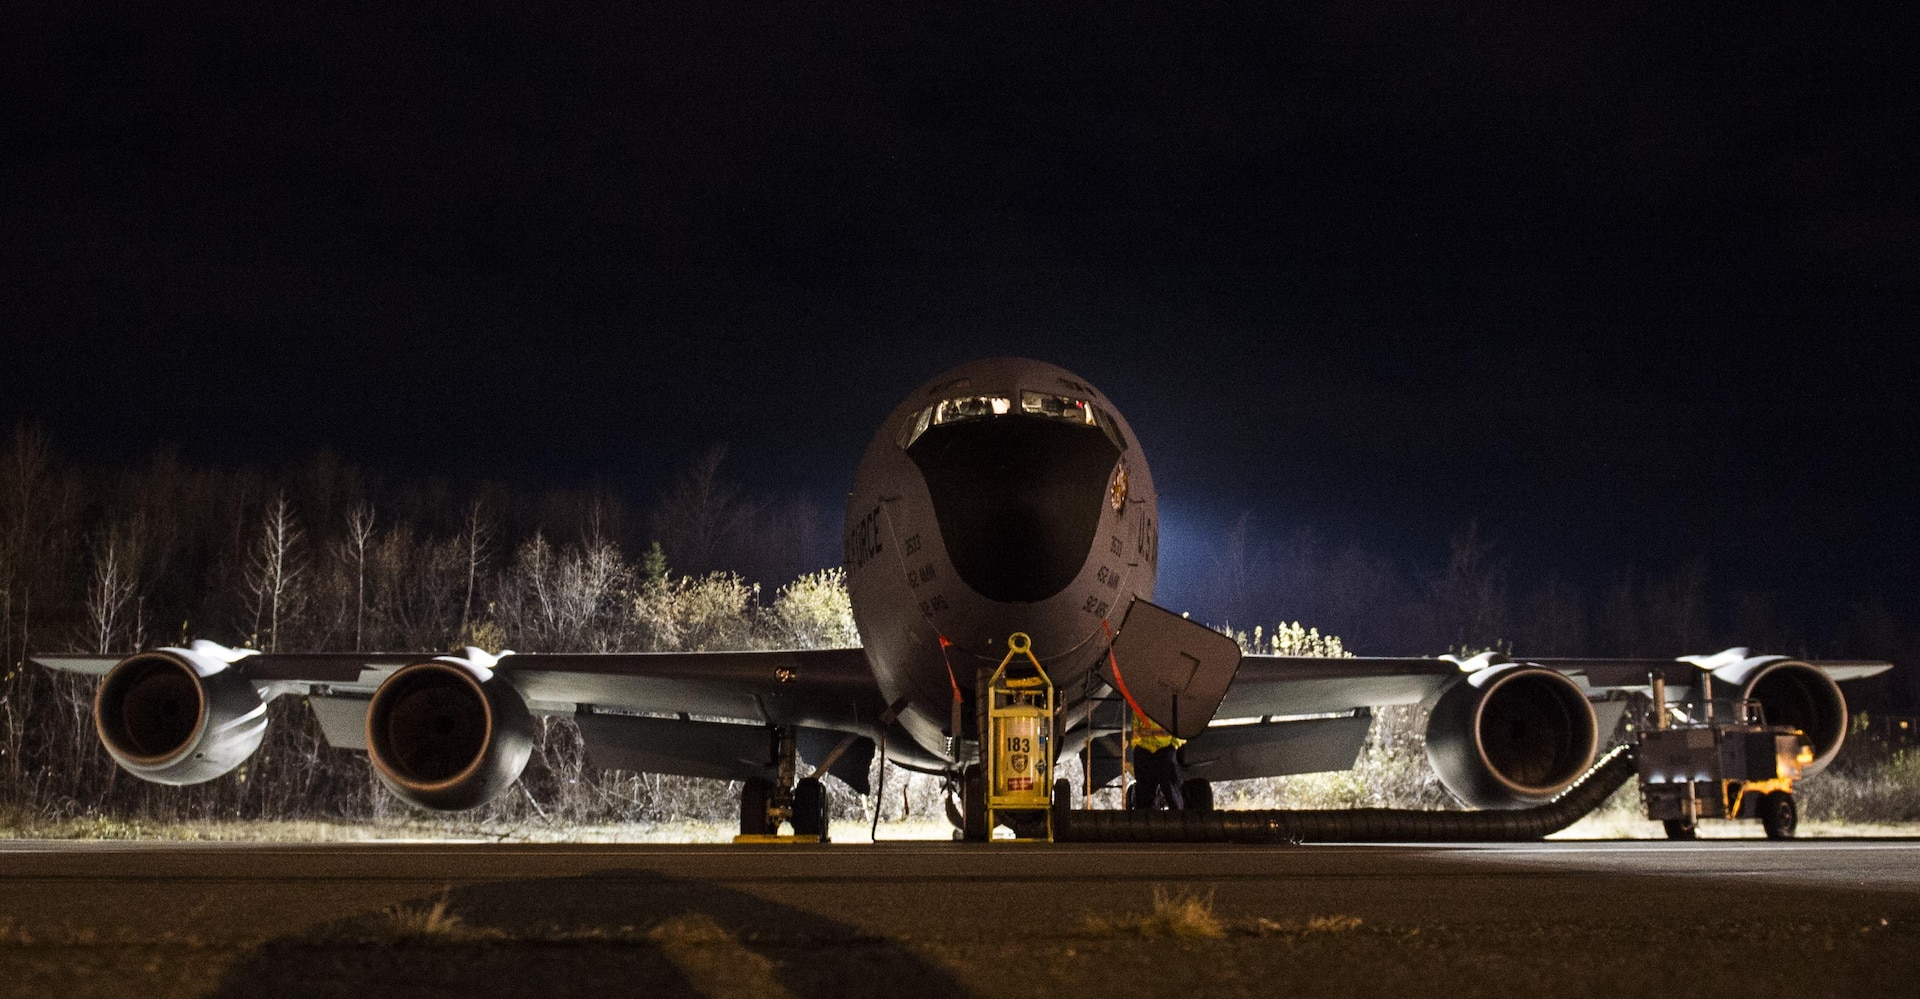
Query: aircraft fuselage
(1004, 495)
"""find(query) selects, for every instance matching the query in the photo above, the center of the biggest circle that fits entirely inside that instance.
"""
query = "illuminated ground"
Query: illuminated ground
(1727, 918)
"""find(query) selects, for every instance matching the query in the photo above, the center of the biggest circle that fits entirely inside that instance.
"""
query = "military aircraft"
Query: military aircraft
(1003, 496)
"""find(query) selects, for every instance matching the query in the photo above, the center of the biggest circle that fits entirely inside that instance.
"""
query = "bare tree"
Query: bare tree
(1469, 597)
(699, 514)
(476, 544)
(274, 569)
(1233, 569)
(353, 550)
(109, 591)
(23, 477)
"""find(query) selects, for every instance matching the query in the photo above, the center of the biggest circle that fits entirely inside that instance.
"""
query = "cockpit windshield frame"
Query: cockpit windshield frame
(1035, 405)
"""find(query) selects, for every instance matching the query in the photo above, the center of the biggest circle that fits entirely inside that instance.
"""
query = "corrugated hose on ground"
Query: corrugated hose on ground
(1351, 825)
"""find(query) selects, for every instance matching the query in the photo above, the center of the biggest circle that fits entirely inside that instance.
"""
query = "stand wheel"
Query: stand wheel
(1779, 816)
(1198, 794)
(1681, 829)
(810, 808)
(973, 804)
(756, 798)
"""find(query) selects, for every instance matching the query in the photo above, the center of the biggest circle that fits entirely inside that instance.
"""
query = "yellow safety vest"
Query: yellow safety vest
(1151, 737)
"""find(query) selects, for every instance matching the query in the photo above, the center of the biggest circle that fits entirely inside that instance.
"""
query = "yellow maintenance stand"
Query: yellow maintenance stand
(1020, 732)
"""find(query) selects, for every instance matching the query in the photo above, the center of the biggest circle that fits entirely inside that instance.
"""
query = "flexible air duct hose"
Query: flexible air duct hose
(1350, 825)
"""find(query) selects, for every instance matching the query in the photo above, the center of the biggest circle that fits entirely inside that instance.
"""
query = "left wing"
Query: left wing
(1299, 685)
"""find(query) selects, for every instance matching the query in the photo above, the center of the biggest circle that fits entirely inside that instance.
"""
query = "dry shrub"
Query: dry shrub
(1875, 790)
(416, 923)
(1313, 925)
(1179, 912)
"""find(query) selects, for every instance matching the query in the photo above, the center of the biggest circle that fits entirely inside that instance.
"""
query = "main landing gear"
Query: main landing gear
(765, 804)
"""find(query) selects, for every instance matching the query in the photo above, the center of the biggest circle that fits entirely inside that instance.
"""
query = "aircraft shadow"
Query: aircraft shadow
(549, 949)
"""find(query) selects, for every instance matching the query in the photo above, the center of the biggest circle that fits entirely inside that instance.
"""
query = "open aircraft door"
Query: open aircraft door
(1174, 670)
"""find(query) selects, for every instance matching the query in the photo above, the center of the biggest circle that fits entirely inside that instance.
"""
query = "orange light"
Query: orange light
(1806, 754)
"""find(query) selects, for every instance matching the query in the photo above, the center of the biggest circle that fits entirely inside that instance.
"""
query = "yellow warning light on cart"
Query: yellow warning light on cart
(1020, 725)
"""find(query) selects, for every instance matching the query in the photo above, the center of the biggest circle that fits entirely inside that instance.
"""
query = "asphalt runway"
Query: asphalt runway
(933, 912)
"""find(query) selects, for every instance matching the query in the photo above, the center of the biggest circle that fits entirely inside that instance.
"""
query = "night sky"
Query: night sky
(1627, 286)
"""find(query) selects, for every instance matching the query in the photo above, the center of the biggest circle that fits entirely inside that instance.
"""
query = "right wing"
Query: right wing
(1299, 685)
(635, 710)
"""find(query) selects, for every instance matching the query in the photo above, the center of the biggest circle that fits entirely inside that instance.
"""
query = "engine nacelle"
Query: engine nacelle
(1792, 693)
(448, 733)
(1511, 736)
(179, 716)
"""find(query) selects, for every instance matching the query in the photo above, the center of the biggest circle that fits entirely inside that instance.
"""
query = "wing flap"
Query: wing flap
(1277, 749)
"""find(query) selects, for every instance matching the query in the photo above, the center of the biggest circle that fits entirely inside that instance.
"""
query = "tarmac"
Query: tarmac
(1602, 918)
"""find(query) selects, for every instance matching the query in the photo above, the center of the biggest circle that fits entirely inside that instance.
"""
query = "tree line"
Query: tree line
(1475, 600)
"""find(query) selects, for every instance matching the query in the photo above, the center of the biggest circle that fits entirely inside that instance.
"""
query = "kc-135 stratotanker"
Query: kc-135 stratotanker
(1005, 496)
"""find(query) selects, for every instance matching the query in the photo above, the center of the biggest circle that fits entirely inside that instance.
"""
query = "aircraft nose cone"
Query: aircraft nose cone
(1018, 500)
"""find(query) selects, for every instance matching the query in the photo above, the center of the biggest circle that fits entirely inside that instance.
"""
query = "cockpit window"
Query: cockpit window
(972, 407)
(1039, 404)
(1058, 407)
(1071, 410)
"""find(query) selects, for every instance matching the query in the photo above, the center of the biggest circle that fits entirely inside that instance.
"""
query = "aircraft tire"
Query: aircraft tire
(1198, 794)
(756, 797)
(1680, 829)
(1779, 815)
(973, 804)
(810, 808)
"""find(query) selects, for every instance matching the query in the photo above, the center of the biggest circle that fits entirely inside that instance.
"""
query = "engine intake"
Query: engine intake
(448, 733)
(178, 716)
(1511, 736)
(1797, 694)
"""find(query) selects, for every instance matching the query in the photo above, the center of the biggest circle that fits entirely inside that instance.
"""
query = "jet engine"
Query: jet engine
(1797, 694)
(448, 733)
(1511, 736)
(179, 716)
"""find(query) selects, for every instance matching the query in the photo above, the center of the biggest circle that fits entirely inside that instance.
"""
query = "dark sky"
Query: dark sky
(1626, 285)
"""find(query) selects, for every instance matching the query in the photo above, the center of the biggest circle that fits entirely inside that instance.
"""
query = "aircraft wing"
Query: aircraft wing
(824, 687)
(1613, 674)
(1303, 685)
(633, 708)
(1298, 685)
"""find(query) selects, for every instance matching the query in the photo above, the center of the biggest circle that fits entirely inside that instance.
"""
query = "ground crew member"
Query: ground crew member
(1156, 766)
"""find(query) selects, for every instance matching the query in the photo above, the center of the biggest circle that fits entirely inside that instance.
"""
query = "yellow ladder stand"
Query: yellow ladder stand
(1020, 727)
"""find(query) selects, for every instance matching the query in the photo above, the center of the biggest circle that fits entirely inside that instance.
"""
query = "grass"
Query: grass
(427, 923)
(1181, 913)
(1175, 913)
(18, 823)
